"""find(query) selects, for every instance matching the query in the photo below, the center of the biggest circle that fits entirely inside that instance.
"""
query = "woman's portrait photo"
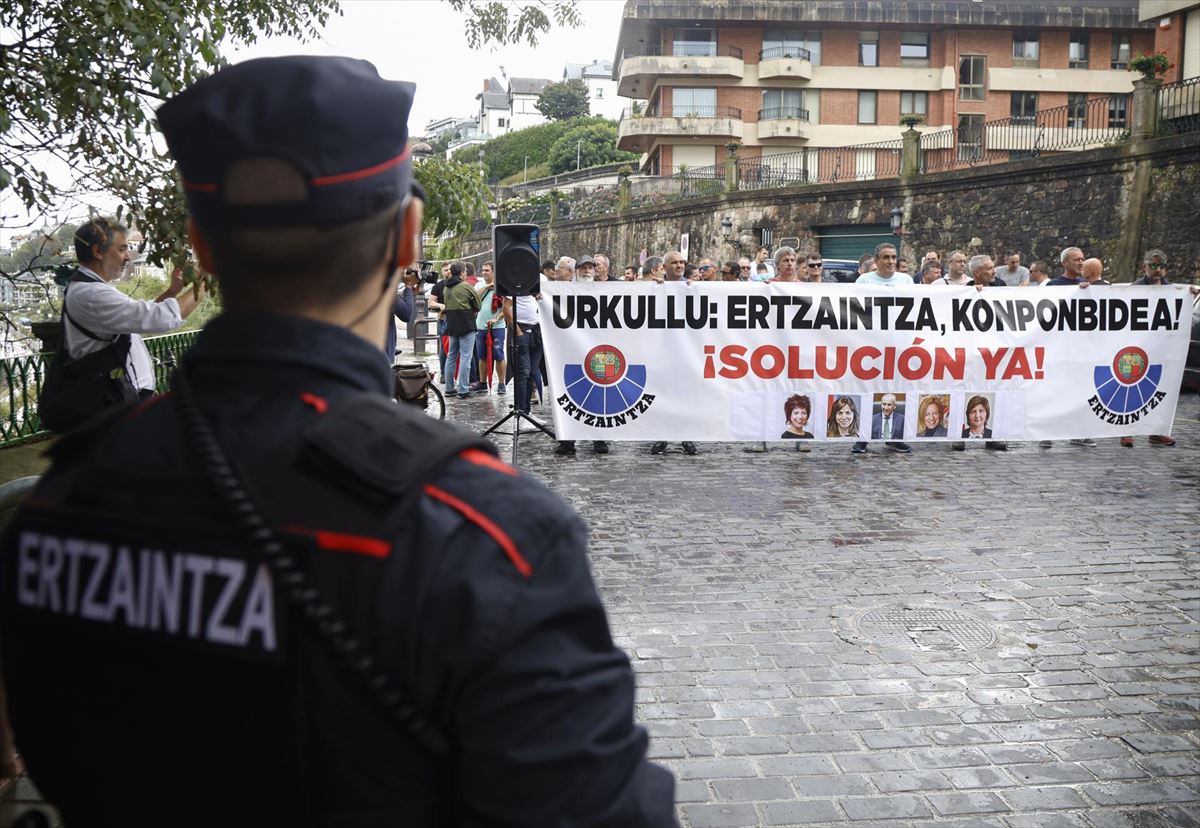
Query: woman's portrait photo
(843, 417)
(796, 411)
(934, 414)
(978, 413)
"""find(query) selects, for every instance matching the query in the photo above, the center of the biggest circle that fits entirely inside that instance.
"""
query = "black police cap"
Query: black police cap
(344, 128)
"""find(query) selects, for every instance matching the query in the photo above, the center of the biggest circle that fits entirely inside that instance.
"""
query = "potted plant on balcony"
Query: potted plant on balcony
(911, 120)
(1151, 66)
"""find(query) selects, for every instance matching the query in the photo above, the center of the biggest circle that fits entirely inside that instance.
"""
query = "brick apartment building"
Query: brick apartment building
(780, 75)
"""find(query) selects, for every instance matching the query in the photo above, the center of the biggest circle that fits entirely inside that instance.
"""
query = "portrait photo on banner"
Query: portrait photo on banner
(845, 420)
(779, 415)
(933, 416)
(887, 415)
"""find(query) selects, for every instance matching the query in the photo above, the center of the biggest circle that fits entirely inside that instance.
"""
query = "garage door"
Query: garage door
(849, 241)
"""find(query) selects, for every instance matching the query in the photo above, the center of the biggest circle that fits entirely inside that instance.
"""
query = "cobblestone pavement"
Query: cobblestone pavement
(959, 639)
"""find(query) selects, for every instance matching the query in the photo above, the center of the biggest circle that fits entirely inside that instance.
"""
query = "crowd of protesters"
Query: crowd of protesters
(473, 319)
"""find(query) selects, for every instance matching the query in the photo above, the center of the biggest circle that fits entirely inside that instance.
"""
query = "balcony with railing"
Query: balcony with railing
(682, 59)
(785, 122)
(639, 130)
(777, 62)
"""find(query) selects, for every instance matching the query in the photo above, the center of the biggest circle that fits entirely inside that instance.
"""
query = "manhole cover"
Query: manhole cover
(924, 628)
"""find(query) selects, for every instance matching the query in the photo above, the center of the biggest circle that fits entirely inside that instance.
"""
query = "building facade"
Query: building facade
(602, 89)
(777, 77)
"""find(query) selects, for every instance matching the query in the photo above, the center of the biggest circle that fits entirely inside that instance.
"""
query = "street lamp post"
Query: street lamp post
(578, 148)
(526, 169)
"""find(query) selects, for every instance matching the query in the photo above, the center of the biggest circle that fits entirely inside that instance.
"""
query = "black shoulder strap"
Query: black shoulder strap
(383, 450)
(79, 277)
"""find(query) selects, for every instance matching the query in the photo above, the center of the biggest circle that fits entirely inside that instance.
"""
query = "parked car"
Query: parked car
(1191, 368)
(839, 270)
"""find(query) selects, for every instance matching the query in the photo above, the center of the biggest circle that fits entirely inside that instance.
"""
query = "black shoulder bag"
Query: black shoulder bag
(75, 390)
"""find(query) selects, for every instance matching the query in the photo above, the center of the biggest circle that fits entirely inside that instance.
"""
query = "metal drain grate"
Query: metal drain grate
(924, 628)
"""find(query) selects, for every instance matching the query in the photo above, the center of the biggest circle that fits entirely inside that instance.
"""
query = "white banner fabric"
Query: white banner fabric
(753, 361)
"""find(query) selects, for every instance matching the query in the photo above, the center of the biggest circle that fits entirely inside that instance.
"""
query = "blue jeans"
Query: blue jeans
(529, 354)
(462, 349)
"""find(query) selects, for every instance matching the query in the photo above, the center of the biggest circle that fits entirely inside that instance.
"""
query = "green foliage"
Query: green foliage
(81, 81)
(514, 21)
(505, 155)
(563, 100)
(535, 172)
(599, 146)
(1151, 65)
(456, 196)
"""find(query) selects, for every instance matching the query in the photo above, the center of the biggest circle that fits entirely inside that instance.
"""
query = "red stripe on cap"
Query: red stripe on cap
(199, 186)
(482, 458)
(316, 402)
(341, 178)
(342, 542)
(483, 522)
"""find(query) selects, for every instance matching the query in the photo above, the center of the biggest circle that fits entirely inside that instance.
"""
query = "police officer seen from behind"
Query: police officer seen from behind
(275, 597)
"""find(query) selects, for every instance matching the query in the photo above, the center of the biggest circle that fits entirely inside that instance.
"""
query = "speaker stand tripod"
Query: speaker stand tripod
(515, 414)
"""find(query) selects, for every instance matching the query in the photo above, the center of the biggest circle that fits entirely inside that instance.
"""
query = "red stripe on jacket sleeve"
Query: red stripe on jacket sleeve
(483, 522)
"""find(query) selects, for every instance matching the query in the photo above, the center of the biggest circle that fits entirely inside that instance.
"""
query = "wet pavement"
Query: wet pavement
(944, 638)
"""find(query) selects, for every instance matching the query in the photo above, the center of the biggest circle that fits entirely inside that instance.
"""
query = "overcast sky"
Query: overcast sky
(423, 41)
(416, 40)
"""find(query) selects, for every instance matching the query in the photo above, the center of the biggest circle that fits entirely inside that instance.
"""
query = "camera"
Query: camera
(428, 273)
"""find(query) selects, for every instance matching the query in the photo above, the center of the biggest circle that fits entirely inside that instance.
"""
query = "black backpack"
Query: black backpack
(75, 390)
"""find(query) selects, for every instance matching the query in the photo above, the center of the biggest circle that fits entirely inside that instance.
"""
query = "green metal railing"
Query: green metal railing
(21, 384)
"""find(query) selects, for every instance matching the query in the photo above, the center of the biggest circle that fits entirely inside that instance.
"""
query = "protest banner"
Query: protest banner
(738, 361)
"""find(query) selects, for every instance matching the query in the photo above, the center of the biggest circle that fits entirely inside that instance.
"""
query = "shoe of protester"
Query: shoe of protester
(502, 388)
(1162, 440)
(689, 447)
(450, 392)
(1127, 442)
(758, 448)
(600, 447)
(565, 448)
(478, 388)
(1046, 444)
(801, 445)
(1084, 441)
(859, 448)
(659, 448)
(996, 445)
(958, 446)
(528, 427)
(899, 448)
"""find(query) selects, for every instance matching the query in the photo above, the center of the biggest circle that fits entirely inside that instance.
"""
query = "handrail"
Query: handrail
(684, 111)
(688, 48)
(21, 384)
(794, 52)
(1178, 107)
(778, 113)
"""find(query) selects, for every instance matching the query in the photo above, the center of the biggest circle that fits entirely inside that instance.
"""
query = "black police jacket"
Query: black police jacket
(157, 676)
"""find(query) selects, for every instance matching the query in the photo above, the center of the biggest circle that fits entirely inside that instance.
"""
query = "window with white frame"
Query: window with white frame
(971, 72)
(693, 102)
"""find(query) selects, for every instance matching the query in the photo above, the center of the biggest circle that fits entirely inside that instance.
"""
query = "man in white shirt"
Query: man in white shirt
(885, 275)
(97, 313)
